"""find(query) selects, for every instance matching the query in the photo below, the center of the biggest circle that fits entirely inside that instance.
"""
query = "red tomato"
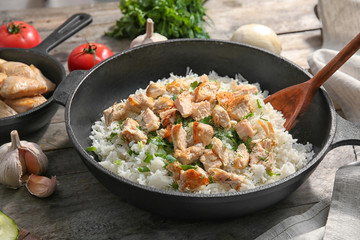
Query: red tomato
(88, 55)
(19, 34)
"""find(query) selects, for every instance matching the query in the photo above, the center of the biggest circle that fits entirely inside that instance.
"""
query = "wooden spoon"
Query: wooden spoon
(294, 101)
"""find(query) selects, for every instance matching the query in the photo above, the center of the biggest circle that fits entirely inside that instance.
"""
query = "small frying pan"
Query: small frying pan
(36, 118)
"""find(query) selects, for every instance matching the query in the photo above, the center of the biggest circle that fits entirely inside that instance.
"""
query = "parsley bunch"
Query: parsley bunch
(172, 18)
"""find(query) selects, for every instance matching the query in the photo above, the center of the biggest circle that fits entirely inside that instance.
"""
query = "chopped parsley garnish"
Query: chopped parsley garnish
(144, 169)
(194, 85)
(211, 180)
(258, 103)
(91, 149)
(117, 162)
(170, 158)
(163, 144)
(210, 146)
(185, 121)
(148, 157)
(249, 115)
(271, 173)
(187, 167)
(174, 185)
(174, 97)
(112, 135)
(162, 155)
(206, 120)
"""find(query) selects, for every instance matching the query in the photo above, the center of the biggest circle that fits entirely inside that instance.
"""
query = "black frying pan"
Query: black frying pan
(122, 74)
(36, 118)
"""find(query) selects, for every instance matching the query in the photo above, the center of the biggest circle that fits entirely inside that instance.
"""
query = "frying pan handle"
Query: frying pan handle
(71, 26)
(67, 86)
(347, 133)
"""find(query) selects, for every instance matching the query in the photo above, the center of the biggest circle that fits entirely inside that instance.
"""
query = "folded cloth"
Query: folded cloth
(339, 217)
(344, 85)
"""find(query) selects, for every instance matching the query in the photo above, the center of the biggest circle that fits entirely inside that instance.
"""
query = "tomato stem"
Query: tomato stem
(14, 28)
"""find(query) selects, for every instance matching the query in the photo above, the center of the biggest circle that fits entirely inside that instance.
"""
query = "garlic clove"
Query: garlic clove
(41, 186)
(149, 36)
(12, 165)
(35, 160)
(258, 35)
(11, 170)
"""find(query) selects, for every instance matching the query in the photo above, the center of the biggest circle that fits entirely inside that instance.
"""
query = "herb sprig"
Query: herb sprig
(173, 18)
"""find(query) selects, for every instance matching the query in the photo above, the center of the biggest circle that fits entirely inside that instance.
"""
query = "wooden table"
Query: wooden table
(81, 208)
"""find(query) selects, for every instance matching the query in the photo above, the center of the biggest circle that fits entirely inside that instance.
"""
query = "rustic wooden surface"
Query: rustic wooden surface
(81, 208)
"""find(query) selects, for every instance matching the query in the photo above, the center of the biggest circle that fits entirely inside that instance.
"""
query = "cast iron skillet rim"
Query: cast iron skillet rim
(246, 193)
(33, 51)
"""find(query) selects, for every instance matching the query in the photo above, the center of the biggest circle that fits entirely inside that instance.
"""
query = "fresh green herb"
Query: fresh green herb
(263, 158)
(153, 134)
(185, 121)
(206, 120)
(174, 185)
(211, 180)
(130, 152)
(170, 158)
(173, 19)
(140, 143)
(144, 169)
(258, 103)
(210, 146)
(249, 115)
(117, 162)
(91, 149)
(162, 155)
(174, 97)
(261, 117)
(163, 144)
(148, 157)
(271, 173)
(112, 135)
(187, 167)
(194, 85)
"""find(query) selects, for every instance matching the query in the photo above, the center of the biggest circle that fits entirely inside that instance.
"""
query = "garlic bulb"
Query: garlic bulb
(41, 186)
(149, 36)
(19, 157)
(259, 36)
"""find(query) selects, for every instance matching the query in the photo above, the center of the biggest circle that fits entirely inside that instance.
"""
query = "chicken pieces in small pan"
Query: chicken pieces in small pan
(21, 87)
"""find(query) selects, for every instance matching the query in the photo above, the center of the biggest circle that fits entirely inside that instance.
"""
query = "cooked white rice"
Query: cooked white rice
(125, 159)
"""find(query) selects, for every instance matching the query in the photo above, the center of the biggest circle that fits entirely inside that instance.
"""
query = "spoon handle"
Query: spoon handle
(335, 63)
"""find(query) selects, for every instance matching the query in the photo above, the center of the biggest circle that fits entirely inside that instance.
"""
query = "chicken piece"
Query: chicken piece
(242, 157)
(239, 108)
(17, 69)
(184, 104)
(131, 132)
(178, 135)
(6, 110)
(155, 90)
(24, 104)
(152, 122)
(138, 102)
(206, 91)
(190, 154)
(224, 98)
(177, 86)
(221, 151)
(244, 89)
(210, 160)
(175, 169)
(244, 130)
(168, 117)
(165, 133)
(50, 86)
(162, 103)
(3, 76)
(262, 154)
(191, 180)
(18, 87)
(201, 110)
(221, 117)
(202, 133)
(116, 112)
(219, 175)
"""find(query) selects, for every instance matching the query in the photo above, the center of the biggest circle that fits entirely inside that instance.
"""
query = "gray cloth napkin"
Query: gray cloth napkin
(339, 217)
